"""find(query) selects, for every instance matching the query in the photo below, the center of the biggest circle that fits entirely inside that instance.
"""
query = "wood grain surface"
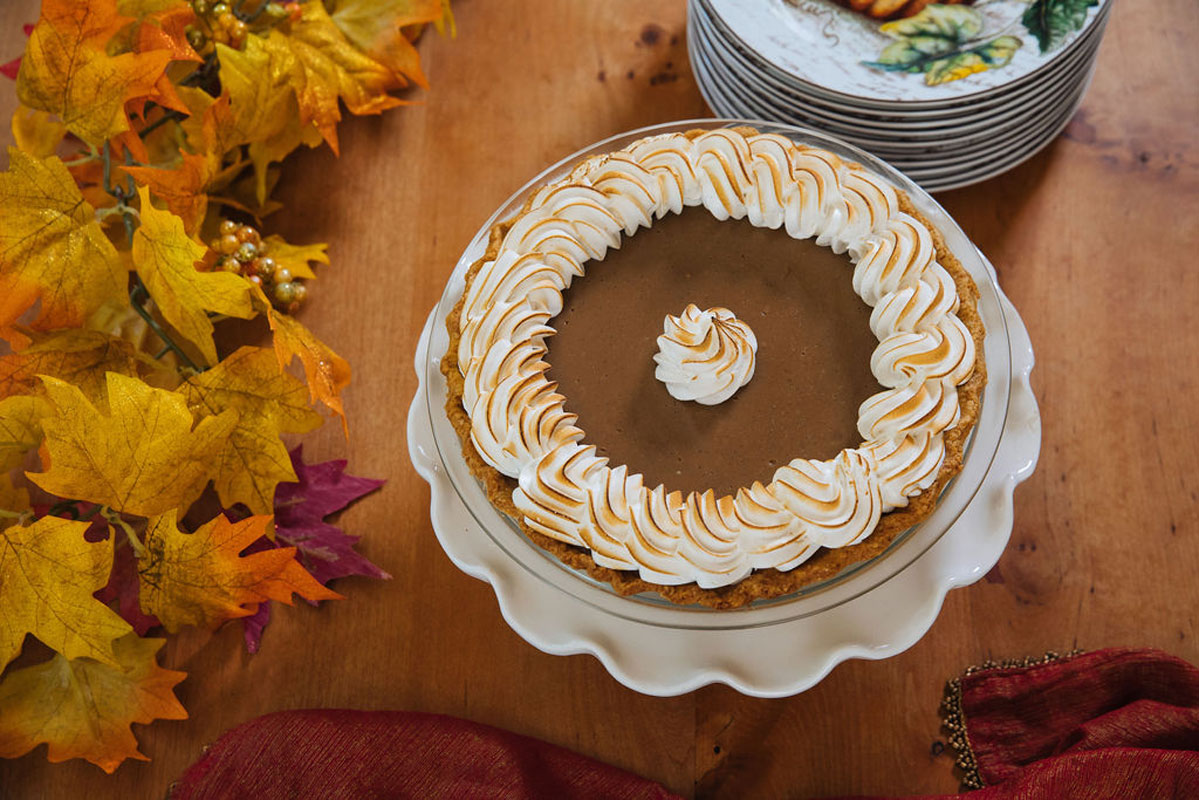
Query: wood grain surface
(1095, 241)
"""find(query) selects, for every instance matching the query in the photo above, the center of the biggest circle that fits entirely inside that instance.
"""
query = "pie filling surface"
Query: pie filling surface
(813, 356)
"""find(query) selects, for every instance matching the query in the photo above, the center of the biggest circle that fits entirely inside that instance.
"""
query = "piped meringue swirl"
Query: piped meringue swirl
(519, 422)
(705, 356)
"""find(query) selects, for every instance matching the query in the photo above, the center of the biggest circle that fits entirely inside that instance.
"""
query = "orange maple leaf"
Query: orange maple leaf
(52, 247)
(184, 188)
(201, 579)
(378, 30)
(83, 709)
(181, 187)
(166, 29)
(67, 70)
(326, 372)
(327, 66)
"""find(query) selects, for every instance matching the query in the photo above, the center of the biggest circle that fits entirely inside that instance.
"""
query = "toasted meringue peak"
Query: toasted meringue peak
(705, 356)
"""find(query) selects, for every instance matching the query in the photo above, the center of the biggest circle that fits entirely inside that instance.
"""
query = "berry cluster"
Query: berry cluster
(240, 249)
(221, 23)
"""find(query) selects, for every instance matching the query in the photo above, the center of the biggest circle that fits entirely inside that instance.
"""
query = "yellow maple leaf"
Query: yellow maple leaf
(36, 132)
(48, 573)
(327, 66)
(52, 247)
(326, 372)
(13, 499)
(83, 709)
(20, 428)
(278, 147)
(263, 109)
(201, 579)
(257, 80)
(66, 69)
(269, 402)
(165, 257)
(296, 257)
(142, 457)
(79, 357)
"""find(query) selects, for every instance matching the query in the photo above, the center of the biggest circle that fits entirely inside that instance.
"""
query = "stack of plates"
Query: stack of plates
(951, 96)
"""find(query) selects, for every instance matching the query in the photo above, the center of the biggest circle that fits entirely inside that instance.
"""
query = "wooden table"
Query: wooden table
(1095, 240)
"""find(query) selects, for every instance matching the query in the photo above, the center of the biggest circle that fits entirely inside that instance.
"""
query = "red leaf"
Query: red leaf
(300, 509)
(324, 550)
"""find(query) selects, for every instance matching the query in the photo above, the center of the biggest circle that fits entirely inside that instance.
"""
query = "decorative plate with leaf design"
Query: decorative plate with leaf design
(908, 50)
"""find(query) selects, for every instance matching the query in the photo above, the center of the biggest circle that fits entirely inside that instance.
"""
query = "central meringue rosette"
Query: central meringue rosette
(705, 356)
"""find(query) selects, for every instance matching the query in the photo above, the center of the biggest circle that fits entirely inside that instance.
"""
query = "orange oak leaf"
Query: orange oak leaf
(36, 132)
(201, 579)
(83, 709)
(326, 372)
(377, 28)
(296, 257)
(78, 357)
(327, 66)
(142, 457)
(165, 257)
(20, 428)
(52, 247)
(48, 573)
(269, 402)
(66, 69)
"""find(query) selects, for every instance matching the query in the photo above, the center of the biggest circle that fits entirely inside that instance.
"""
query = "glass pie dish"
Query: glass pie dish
(661, 648)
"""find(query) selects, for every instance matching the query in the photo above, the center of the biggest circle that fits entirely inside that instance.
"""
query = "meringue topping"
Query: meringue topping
(705, 356)
(520, 425)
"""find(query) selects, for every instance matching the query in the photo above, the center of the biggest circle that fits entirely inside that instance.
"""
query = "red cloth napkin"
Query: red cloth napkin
(361, 755)
(1120, 724)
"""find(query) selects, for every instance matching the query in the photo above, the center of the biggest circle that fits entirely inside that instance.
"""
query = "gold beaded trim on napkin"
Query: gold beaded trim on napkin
(955, 718)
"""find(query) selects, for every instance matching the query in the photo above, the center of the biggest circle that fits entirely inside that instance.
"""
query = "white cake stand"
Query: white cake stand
(770, 649)
(764, 660)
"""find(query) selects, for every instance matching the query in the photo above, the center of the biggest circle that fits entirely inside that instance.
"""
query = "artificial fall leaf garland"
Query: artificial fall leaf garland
(144, 484)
